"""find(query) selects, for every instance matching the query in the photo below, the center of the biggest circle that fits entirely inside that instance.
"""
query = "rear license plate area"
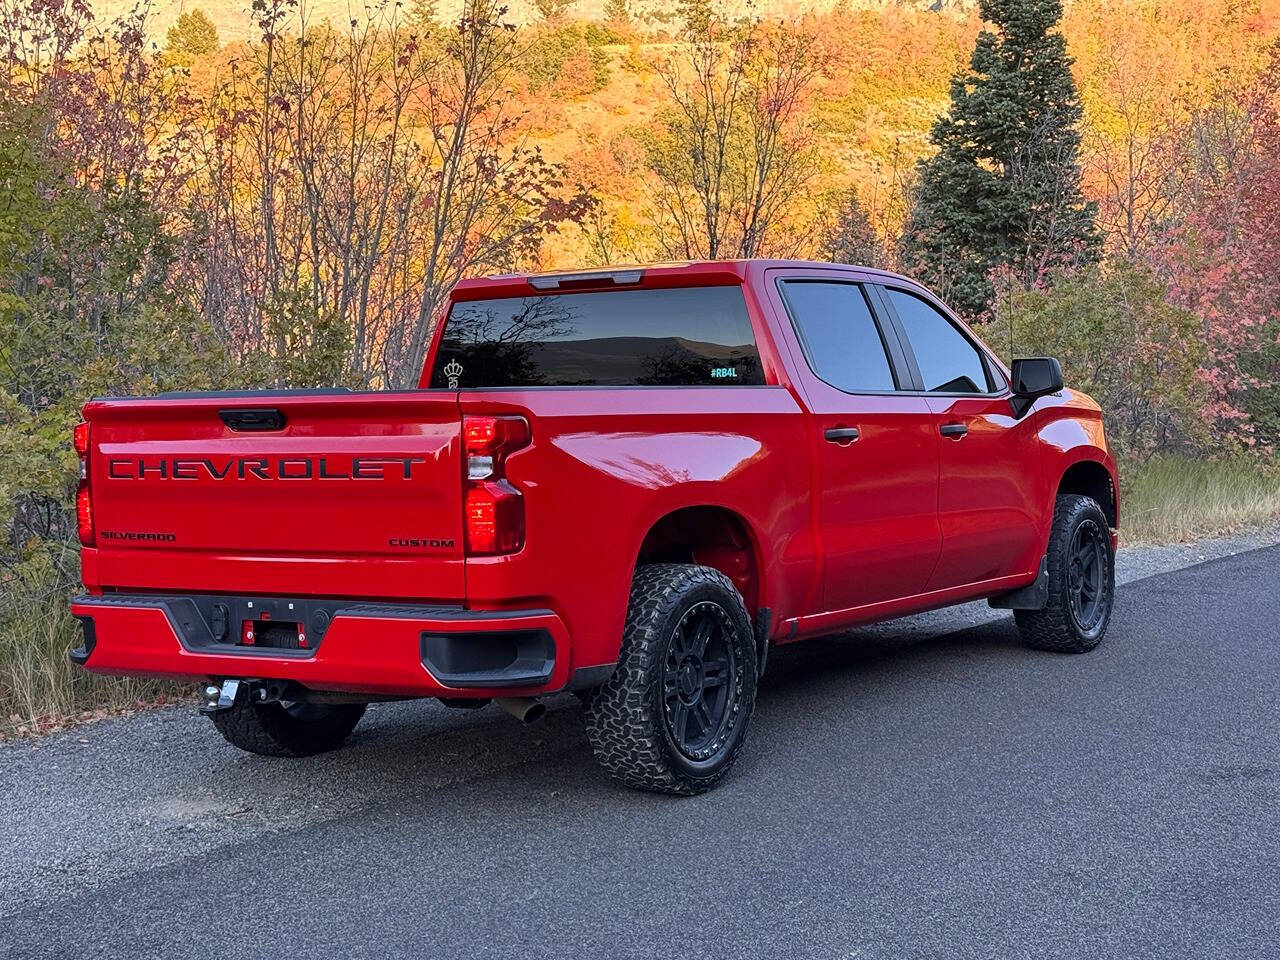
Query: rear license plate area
(271, 626)
(273, 635)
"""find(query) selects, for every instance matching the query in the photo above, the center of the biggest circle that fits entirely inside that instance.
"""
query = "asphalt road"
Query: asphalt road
(904, 793)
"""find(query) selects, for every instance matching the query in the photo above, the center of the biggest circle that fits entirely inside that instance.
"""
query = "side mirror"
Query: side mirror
(1036, 376)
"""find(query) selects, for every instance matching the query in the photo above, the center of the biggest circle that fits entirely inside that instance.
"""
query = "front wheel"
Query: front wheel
(284, 729)
(1082, 582)
(674, 715)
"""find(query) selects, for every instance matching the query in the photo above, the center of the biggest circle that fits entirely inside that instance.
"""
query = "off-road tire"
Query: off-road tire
(628, 717)
(296, 730)
(1057, 627)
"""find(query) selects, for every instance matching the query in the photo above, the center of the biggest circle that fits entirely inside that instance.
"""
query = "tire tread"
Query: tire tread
(623, 729)
(1052, 627)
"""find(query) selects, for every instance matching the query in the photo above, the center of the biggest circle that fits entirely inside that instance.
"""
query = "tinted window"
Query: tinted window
(839, 334)
(948, 362)
(694, 336)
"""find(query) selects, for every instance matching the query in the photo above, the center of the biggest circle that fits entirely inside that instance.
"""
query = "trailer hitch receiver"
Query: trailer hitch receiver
(218, 697)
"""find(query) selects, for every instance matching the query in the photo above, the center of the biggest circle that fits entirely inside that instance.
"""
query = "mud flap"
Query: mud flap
(763, 617)
(1033, 596)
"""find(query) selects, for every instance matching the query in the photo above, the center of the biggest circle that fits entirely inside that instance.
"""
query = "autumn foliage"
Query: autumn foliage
(262, 193)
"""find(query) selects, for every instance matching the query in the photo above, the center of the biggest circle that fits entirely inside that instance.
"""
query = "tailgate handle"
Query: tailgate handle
(253, 418)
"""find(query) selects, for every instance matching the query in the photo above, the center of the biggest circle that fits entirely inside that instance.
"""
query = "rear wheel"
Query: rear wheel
(1081, 581)
(287, 729)
(674, 715)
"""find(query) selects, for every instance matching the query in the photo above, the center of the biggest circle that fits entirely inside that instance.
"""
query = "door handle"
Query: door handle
(841, 434)
(956, 430)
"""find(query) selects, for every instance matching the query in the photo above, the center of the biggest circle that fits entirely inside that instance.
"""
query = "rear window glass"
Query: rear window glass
(697, 336)
(839, 335)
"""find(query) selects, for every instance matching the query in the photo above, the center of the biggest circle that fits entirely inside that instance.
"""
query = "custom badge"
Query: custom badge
(453, 371)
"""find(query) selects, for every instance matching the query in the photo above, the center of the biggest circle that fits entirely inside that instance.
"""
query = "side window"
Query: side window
(949, 363)
(839, 335)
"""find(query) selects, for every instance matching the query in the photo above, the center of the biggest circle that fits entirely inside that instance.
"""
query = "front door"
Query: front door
(988, 481)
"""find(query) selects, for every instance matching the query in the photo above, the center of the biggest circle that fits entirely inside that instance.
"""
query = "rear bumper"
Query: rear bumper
(384, 649)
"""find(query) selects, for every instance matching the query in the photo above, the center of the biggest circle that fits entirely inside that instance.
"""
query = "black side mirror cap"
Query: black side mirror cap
(1036, 377)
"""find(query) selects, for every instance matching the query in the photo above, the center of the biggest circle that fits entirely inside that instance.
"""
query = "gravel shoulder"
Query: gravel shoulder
(1134, 563)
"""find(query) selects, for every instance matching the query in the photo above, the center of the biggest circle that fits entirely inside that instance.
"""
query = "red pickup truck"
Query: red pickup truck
(627, 483)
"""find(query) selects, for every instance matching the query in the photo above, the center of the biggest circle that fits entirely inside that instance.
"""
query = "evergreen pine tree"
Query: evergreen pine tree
(1004, 188)
(193, 34)
(850, 237)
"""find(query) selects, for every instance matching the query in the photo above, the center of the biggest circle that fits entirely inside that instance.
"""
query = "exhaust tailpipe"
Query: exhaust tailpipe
(524, 709)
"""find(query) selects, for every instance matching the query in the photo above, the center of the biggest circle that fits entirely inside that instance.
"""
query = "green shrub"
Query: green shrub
(564, 62)
(91, 303)
(602, 35)
(1121, 342)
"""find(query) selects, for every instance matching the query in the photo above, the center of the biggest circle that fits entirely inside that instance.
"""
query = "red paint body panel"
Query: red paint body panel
(600, 474)
(991, 494)
(381, 467)
(359, 497)
(877, 497)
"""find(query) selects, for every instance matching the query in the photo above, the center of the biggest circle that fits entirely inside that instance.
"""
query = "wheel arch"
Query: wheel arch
(1092, 478)
(712, 535)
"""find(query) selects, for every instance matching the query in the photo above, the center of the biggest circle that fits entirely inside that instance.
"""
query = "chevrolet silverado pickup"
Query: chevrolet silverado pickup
(627, 483)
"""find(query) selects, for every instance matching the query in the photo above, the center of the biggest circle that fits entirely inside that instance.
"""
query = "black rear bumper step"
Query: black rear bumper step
(490, 658)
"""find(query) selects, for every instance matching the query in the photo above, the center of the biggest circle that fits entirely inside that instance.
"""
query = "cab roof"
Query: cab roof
(694, 273)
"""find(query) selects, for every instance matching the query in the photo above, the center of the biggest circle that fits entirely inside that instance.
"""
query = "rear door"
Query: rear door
(986, 502)
(334, 494)
(875, 448)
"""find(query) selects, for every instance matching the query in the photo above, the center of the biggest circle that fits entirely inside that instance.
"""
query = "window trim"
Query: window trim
(989, 366)
(896, 358)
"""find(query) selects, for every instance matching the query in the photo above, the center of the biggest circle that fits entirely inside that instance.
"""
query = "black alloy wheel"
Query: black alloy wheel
(700, 671)
(674, 715)
(1088, 559)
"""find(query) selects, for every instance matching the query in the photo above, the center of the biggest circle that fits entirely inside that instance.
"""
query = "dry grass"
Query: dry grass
(1174, 500)
(40, 689)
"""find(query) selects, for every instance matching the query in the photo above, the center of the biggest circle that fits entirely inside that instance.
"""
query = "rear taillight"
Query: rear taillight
(80, 440)
(495, 518)
(84, 504)
(488, 435)
(493, 510)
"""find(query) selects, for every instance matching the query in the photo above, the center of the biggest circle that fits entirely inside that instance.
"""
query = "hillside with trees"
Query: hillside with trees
(276, 193)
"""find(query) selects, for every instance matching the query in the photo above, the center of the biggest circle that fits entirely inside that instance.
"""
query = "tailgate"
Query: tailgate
(322, 493)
